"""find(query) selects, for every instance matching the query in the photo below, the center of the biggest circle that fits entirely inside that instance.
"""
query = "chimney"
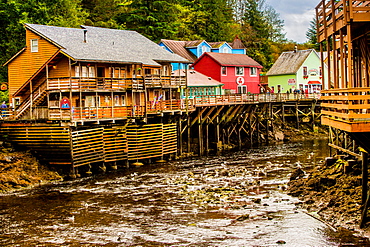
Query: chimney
(85, 32)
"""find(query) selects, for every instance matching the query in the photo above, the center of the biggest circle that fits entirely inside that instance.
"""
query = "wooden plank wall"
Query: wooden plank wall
(52, 143)
(64, 146)
(151, 140)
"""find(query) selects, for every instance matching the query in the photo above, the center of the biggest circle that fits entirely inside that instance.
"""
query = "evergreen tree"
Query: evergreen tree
(311, 35)
(14, 13)
(155, 19)
(256, 34)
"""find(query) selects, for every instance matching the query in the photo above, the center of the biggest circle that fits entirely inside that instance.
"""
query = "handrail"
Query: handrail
(159, 106)
(19, 110)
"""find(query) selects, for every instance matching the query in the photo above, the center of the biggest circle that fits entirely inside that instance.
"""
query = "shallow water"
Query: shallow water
(233, 200)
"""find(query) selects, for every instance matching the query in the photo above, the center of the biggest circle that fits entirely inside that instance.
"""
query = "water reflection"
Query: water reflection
(234, 200)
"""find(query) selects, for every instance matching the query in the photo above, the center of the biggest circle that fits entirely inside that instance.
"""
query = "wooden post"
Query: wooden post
(365, 175)
(207, 140)
(179, 136)
(189, 136)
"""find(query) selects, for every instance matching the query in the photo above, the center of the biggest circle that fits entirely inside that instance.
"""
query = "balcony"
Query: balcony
(347, 109)
(116, 84)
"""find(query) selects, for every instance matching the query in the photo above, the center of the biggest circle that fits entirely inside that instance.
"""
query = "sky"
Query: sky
(297, 15)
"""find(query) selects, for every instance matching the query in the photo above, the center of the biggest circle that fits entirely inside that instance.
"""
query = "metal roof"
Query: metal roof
(197, 79)
(289, 62)
(229, 59)
(106, 45)
(179, 47)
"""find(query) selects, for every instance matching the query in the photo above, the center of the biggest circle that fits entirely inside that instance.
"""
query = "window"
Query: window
(204, 49)
(239, 70)
(223, 71)
(147, 71)
(77, 71)
(242, 89)
(253, 71)
(305, 71)
(165, 70)
(225, 50)
(91, 72)
(83, 71)
(34, 45)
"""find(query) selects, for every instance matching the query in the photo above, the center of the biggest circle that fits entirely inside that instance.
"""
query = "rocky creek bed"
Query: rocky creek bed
(325, 191)
(332, 193)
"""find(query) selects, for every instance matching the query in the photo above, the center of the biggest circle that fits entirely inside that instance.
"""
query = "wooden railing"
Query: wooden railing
(152, 107)
(81, 83)
(333, 15)
(350, 105)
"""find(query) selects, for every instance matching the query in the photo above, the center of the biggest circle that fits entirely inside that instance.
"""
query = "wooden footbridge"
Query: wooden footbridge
(344, 35)
(194, 127)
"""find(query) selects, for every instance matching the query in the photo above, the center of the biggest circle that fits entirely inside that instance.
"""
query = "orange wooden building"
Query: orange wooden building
(77, 92)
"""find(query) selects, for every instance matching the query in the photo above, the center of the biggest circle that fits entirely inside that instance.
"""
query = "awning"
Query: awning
(314, 82)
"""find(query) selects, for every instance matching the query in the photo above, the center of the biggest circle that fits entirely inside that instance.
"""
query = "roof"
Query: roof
(179, 48)
(237, 43)
(289, 62)
(229, 59)
(196, 78)
(105, 45)
(216, 44)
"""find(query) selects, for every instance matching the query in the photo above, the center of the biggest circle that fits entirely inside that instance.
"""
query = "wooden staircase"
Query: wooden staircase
(37, 96)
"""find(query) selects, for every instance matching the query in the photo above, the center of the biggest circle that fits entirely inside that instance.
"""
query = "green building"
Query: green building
(297, 70)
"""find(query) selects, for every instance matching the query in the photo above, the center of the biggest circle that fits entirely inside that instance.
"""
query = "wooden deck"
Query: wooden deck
(333, 16)
(78, 114)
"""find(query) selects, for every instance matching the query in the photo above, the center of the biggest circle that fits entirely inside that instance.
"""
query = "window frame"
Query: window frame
(222, 72)
(34, 44)
(253, 69)
(237, 71)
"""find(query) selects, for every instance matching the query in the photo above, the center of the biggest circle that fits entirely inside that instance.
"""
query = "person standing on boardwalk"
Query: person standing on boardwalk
(3, 107)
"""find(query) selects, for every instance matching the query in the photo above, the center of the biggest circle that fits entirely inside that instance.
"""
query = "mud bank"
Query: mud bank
(331, 193)
(20, 170)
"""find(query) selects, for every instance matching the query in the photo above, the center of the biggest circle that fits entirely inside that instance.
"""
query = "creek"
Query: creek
(237, 199)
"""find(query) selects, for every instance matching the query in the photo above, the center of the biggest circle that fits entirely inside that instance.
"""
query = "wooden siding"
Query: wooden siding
(50, 142)
(27, 63)
(151, 140)
(61, 69)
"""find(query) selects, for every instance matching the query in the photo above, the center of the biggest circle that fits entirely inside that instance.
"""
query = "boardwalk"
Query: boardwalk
(116, 112)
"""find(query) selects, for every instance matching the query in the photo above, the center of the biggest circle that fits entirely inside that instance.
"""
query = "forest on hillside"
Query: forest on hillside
(256, 23)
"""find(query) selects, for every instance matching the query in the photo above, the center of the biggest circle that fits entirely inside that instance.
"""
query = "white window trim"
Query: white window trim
(250, 72)
(225, 70)
(236, 70)
(34, 45)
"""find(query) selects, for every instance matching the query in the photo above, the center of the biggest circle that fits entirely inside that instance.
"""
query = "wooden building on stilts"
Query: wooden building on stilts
(89, 95)
(343, 29)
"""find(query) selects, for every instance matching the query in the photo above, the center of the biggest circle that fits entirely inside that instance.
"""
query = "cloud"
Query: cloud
(297, 16)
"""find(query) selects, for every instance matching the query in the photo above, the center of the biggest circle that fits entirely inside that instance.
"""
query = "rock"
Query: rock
(296, 174)
(243, 217)
(281, 242)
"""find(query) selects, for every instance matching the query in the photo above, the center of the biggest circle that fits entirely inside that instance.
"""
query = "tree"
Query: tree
(311, 35)
(256, 34)
(14, 13)
(153, 18)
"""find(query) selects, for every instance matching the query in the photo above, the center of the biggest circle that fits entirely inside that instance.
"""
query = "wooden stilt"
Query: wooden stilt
(365, 175)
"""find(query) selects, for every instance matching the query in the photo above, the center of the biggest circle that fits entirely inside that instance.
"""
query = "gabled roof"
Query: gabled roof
(229, 59)
(179, 48)
(197, 79)
(105, 45)
(194, 43)
(216, 45)
(289, 62)
(237, 43)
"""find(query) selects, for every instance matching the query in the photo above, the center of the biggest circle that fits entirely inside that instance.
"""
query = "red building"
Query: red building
(239, 73)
